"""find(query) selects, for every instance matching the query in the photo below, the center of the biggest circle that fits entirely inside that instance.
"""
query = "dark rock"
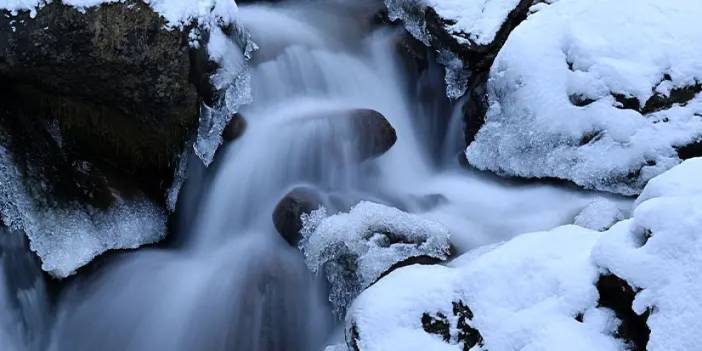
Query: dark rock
(366, 131)
(437, 324)
(423, 260)
(690, 151)
(235, 128)
(617, 295)
(467, 335)
(375, 135)
(117, 83)
(286, 216)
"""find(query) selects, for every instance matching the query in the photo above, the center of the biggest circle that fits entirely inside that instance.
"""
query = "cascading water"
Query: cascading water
(229, 282)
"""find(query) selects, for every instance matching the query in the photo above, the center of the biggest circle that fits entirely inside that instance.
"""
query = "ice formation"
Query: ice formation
(535, 292)
(68, 235)
(354, 249)
(602, 93)
(232, 81)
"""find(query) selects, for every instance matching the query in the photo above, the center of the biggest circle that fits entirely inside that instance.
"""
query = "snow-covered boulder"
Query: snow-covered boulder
(535, 292)
(632, 287)
(659, 254)
(355, 249)
(466, 34)
(602, 93)
(99, 103)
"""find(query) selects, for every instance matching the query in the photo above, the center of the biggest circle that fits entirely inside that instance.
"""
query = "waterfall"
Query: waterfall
(227, 280)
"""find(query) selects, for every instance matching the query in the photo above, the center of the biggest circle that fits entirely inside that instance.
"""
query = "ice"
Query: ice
(68, 235)
(600, 215)
(456, 77)
(573, 94)
(659, 253)
(233, 82)
(524, 294)
(354, 249)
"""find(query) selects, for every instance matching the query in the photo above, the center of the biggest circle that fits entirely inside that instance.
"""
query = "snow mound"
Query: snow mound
(535, 292)
(539, 291)
(600, 215)
(356, 248)
(659, 253)
(602, 93)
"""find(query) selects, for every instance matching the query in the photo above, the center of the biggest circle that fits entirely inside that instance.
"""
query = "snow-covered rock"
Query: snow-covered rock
(565, 289)
(602, 93)
(355, 249)
(659, 253)
(465, 34)
(600, 215)
(535, 292)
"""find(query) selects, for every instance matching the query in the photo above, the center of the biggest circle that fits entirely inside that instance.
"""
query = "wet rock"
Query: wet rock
(235, 128)
(117, 82)
(357, 134)
(467, 60)
(286, 216)
(375, 135)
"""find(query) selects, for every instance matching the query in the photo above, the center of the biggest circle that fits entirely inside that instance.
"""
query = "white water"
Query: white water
(230, 282)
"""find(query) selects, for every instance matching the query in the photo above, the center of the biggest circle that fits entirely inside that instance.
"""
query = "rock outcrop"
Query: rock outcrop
(96, 106)
(114, 81)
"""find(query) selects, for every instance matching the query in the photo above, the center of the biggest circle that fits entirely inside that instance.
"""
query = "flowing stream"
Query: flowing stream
(226, 280)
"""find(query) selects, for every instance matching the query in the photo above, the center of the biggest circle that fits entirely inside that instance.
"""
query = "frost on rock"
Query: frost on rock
(535, 292)
(600, 215)
(232, 81)
(659, 253)
(67, 234)
(456, 76)
(355, 249)
(602, 93)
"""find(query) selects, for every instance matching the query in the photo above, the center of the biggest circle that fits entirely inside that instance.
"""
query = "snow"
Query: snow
(67, 236)
(537, 291)
(590, 51)
(524, 294)
(177, 13)
(471, 22)
(659, 251)
(600, 215)
(357, 247)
